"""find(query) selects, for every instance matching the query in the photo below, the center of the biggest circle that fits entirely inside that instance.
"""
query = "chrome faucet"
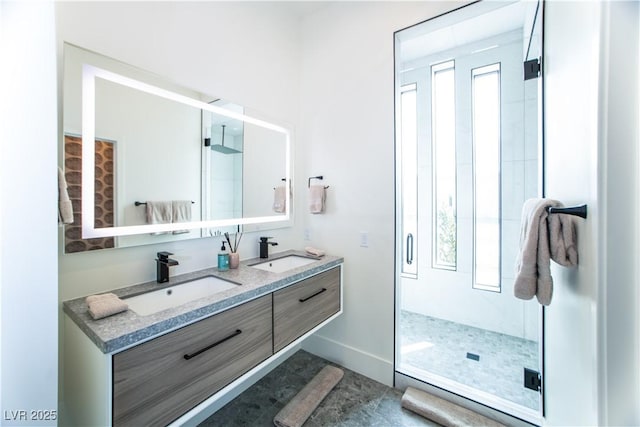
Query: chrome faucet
(163, 262)
(264, 246)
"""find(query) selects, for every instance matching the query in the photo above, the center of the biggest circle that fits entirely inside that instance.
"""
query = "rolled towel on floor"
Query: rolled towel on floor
(296, 412)
(442, 411)
(105, 305)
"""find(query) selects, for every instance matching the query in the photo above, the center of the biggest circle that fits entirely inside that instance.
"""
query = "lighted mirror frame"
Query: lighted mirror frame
(89, 75)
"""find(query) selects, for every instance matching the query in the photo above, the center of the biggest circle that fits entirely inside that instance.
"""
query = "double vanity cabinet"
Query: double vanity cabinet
(131, 370)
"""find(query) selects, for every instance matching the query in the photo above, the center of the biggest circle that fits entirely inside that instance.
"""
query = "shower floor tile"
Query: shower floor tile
(355, 401)
(440, 347)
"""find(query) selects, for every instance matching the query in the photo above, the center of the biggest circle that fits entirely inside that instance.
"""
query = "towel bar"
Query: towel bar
(144, 203)
(320, 177)
(580, 211)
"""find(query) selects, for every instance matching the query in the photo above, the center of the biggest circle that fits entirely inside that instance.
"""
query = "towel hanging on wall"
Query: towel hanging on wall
(317, 199)
(543, 237)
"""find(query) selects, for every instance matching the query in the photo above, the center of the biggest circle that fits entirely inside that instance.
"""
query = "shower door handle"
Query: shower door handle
(409, 254)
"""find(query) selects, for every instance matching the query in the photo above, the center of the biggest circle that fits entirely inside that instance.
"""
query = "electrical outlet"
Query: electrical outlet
(364, 239)
(307, 234)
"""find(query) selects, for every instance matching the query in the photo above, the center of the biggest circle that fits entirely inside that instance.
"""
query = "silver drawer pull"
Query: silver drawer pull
(192, 355)
(314, 295)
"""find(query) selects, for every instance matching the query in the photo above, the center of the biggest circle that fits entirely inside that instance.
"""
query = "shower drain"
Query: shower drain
(473, 356)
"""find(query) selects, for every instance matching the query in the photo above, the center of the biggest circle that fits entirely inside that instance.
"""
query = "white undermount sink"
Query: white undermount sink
(283, 264)
(162, 299)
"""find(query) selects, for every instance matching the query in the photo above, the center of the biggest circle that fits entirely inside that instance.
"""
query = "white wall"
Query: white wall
(28, 223)
(618, 304)
(591, 329)
(346, 132)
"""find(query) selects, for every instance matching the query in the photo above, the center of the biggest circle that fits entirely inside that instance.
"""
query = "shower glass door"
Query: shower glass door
(468, 156)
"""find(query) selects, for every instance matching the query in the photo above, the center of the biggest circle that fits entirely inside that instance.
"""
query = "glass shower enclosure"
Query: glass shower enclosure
(468, 155)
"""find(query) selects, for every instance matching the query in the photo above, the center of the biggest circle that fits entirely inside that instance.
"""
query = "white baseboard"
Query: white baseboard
(352, 358)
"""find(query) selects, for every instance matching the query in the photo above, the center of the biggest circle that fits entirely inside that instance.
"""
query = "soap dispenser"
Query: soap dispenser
(223, 258)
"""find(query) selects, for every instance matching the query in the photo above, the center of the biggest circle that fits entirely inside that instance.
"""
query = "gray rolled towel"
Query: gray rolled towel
(442, 411)
(296, 412)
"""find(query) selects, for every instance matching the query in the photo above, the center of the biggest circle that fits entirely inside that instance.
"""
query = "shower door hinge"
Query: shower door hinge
(532, 379)
(532, 69)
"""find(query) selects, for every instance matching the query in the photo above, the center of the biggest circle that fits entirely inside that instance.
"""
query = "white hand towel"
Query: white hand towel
(181, 210)
(279, 199)
(317, 198)
(65, 208)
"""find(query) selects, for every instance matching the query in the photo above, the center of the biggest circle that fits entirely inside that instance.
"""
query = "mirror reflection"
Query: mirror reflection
(164, 166)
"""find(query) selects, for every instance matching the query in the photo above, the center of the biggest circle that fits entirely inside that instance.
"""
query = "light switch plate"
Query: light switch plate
(364, 239)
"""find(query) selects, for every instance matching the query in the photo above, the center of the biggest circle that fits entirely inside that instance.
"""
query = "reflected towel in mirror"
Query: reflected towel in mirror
(181, 210)
(159, 213)
(279, 199)
(65, 208)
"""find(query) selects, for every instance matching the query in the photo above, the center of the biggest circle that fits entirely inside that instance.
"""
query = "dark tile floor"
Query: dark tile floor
(355, 401)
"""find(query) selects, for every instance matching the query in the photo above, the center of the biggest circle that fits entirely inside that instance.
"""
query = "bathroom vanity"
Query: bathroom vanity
(167, 366)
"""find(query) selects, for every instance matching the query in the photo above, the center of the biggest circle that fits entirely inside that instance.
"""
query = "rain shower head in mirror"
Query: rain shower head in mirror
(220, 148)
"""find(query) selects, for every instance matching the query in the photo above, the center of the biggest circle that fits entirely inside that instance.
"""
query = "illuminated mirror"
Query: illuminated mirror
(148, 162)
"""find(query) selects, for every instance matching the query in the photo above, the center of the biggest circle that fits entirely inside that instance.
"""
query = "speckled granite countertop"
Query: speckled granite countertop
(116, 332)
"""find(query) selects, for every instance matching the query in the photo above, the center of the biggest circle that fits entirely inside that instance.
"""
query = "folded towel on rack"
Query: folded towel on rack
(542, 237)
(65, 208)
(104, 305)
(280, 199)
(317, 198)
(181, 212)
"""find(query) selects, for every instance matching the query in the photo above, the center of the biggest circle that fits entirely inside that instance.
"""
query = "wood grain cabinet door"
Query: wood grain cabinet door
(156, 382)
(299, 308)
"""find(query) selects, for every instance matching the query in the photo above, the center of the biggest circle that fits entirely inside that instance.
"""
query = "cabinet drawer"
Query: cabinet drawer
(154, 383)
(300, 307)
